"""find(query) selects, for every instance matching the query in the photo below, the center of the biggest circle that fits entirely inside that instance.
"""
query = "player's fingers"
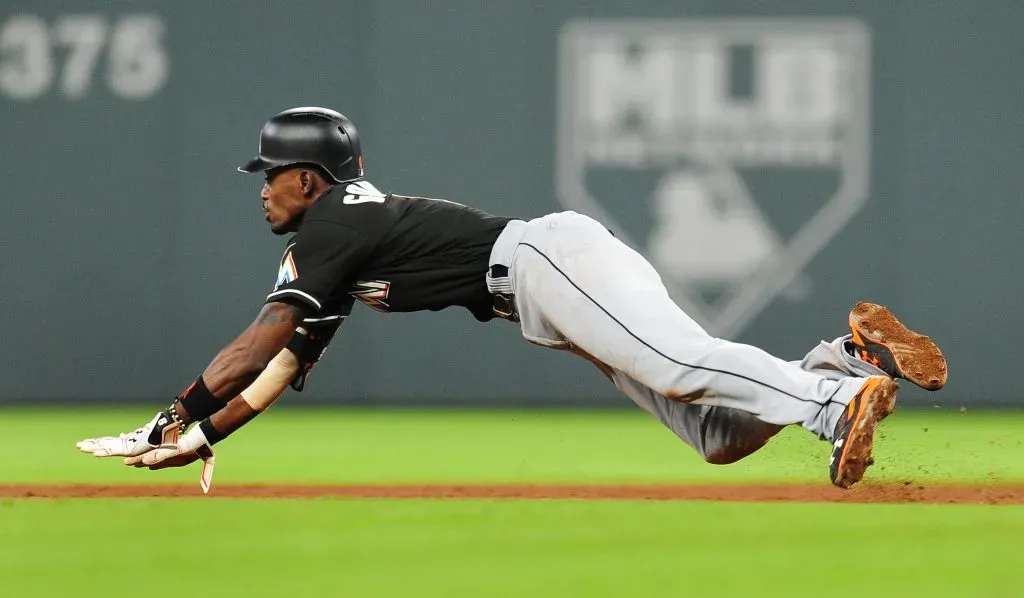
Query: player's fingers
(101, 447)
(108, 451)
(179, 460)
(135, 461)
(160, 454)
(89, 445)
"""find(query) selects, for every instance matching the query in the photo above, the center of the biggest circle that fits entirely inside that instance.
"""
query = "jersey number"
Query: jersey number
(363, 192)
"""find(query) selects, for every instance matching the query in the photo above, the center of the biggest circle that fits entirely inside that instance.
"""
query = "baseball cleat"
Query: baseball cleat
(879, 338)
(855, 431)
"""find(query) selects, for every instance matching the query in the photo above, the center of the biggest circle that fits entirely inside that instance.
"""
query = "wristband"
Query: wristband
(202, 435)
(212, 435)
(193, 440)
(199, 401)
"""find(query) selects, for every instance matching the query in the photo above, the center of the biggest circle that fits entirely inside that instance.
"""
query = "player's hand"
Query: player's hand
(174, 455)
(169, 455)
(160, 430)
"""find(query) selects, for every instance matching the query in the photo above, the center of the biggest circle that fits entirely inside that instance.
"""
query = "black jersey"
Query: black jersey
(393, 253)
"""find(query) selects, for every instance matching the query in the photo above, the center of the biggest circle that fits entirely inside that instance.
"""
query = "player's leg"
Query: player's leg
(720, 435)
(575, 282)
(878, 345)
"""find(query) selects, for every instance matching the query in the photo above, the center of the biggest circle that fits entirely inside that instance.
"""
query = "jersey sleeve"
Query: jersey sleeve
(319, 258)
(335, 309)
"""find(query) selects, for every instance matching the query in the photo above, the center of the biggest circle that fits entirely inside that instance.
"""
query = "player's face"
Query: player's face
(284, 199)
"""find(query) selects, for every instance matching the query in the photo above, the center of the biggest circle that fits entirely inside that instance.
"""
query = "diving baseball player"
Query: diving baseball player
(566, 280)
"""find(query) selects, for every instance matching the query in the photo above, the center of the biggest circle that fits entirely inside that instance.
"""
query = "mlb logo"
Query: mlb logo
(729, 151)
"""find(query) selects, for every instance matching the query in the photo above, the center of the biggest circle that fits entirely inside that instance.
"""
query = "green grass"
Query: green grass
(394, 446)
(491, 548)
(338, 547)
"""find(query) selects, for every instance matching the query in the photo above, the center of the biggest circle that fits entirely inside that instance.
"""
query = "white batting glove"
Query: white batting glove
(188, 449)
(160, 430)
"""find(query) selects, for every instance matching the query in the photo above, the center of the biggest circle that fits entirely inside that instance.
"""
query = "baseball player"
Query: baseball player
(567, 281)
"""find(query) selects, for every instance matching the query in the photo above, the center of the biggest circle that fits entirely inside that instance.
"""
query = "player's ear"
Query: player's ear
(307, 182)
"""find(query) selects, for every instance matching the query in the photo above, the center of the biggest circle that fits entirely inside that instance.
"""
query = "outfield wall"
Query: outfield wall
(777, 162)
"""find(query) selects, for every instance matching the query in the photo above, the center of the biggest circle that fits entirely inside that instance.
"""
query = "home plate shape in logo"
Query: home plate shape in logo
(729, 151)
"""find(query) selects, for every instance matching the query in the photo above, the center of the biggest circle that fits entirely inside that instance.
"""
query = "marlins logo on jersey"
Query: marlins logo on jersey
(729, 151)
(373, 293)
(287, 272)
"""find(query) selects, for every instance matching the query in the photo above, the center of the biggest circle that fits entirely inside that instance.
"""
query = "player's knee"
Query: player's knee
(729, 435)
(726, 456)
(735, 449)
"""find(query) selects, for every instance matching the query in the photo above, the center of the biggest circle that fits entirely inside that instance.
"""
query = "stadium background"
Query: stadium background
(133, 250)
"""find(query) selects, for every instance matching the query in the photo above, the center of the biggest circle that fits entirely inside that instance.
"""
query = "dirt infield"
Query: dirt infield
(865, 493)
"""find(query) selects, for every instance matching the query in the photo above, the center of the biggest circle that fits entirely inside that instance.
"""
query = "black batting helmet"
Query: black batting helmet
(310, 135)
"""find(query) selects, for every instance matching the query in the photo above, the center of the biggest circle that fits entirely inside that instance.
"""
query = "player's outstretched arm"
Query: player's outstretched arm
(241, 362)
(236, 367)
(255, 399)
(290, 367)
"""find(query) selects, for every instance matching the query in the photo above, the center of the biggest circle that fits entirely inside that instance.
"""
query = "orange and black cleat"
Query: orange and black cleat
(879, 338)
(855, 432)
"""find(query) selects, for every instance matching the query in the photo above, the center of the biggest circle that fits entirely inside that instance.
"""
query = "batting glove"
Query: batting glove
(161, 430)
(188, 449)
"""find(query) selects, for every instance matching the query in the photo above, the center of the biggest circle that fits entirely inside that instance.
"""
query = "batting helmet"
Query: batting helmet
(310, 135)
